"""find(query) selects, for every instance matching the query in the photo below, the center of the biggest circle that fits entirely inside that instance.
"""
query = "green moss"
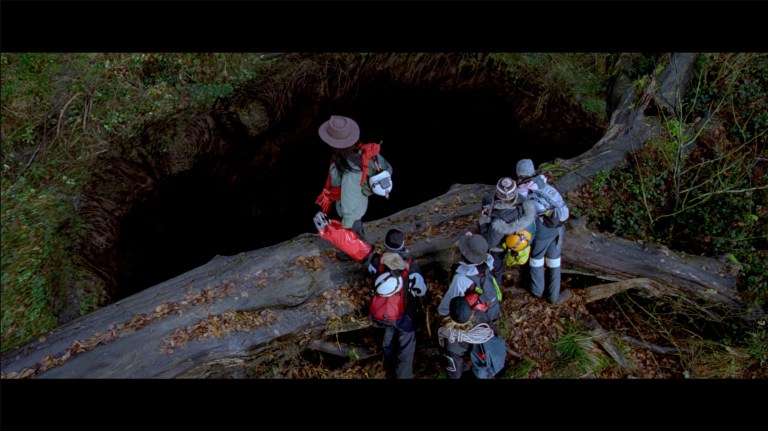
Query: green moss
(61, 111)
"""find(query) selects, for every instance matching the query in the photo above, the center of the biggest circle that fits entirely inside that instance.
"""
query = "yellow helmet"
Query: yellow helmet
(518, 241)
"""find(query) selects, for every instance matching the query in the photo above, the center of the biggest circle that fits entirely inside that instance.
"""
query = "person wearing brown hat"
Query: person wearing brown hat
(547, 244)
(474, 274)
(459, 330)
(352, 164)
(504, 213)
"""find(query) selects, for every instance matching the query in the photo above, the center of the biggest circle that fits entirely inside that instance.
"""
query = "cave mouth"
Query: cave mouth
(241, 201)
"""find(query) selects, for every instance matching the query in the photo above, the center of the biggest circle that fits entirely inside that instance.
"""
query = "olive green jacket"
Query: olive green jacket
(354, 197)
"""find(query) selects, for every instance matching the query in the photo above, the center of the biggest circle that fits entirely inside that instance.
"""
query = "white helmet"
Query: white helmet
(381, 183)
(387, 284)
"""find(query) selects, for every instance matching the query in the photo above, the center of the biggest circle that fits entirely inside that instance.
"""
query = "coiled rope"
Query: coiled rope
(477, 335)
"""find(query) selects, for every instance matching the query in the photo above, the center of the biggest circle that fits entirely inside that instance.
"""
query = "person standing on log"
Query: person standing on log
(357, 171)
(399, 340)
(547, 244)
(508, 224)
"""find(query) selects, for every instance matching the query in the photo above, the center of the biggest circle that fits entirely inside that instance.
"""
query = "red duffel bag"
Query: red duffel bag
(346, 240)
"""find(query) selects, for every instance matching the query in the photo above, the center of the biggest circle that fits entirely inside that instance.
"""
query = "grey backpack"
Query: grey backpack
(488, 358)
(555, 212)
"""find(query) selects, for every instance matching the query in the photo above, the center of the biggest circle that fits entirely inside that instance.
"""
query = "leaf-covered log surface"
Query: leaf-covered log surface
(292, 293)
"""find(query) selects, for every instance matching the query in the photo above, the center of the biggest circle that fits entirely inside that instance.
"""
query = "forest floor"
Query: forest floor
(530, 325)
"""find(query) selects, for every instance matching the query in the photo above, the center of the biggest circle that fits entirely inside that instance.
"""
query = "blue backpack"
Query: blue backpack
(488, 358)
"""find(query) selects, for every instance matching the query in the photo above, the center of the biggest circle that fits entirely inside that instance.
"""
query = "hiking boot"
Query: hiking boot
(344, 257)
(565, 295)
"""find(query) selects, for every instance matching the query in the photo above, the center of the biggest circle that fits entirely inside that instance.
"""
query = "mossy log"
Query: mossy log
(234, 306)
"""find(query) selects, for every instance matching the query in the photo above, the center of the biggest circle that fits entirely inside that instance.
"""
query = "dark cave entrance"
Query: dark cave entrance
(237, 203)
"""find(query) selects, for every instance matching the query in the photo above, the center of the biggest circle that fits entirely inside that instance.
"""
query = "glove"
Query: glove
(321, 221)
(417, 285)
(485, 215)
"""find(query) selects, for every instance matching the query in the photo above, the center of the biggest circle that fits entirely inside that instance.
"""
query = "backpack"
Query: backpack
(557, 211)
(385, 310)
(331, 194)
(473, 299)
(487, 359)
(517, 257)
(489, 291)
(381, 181)
(517, 247)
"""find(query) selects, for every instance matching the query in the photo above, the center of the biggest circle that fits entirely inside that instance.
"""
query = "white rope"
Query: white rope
(477, 335)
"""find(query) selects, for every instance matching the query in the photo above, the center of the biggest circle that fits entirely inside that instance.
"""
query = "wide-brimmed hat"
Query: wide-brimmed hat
(474, 248)
(339, 132)
(394, 239)
(460, 311)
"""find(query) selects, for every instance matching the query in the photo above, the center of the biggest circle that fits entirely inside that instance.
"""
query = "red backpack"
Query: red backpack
(385, 310)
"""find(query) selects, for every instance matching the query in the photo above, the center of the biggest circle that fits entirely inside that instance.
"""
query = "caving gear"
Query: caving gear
(550, 205)
(518, 241)
(321, 220)
(488, 358)
(331, 194)
(474, 302)
(344, 239)
(388, 284)
(388, 298)
(381, 183)
(517, 248)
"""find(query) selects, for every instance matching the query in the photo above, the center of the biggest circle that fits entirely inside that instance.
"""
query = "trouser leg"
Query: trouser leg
(453, 364)
(390, 352)
(552, 264)
(357, 227)
(498, 267)
(536, 267)
(407, 349)
(553, 279)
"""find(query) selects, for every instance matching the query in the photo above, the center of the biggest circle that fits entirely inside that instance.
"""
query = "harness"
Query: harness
(478, 281)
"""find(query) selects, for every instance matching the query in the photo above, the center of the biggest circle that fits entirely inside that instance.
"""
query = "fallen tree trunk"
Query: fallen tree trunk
(651, 347)
(233, 306)
(603, 291)
(618, 259)
(340, 349)
(629, 127)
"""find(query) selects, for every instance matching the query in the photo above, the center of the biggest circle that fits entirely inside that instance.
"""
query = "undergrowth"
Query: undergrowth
(59, 113)
(701, 185)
